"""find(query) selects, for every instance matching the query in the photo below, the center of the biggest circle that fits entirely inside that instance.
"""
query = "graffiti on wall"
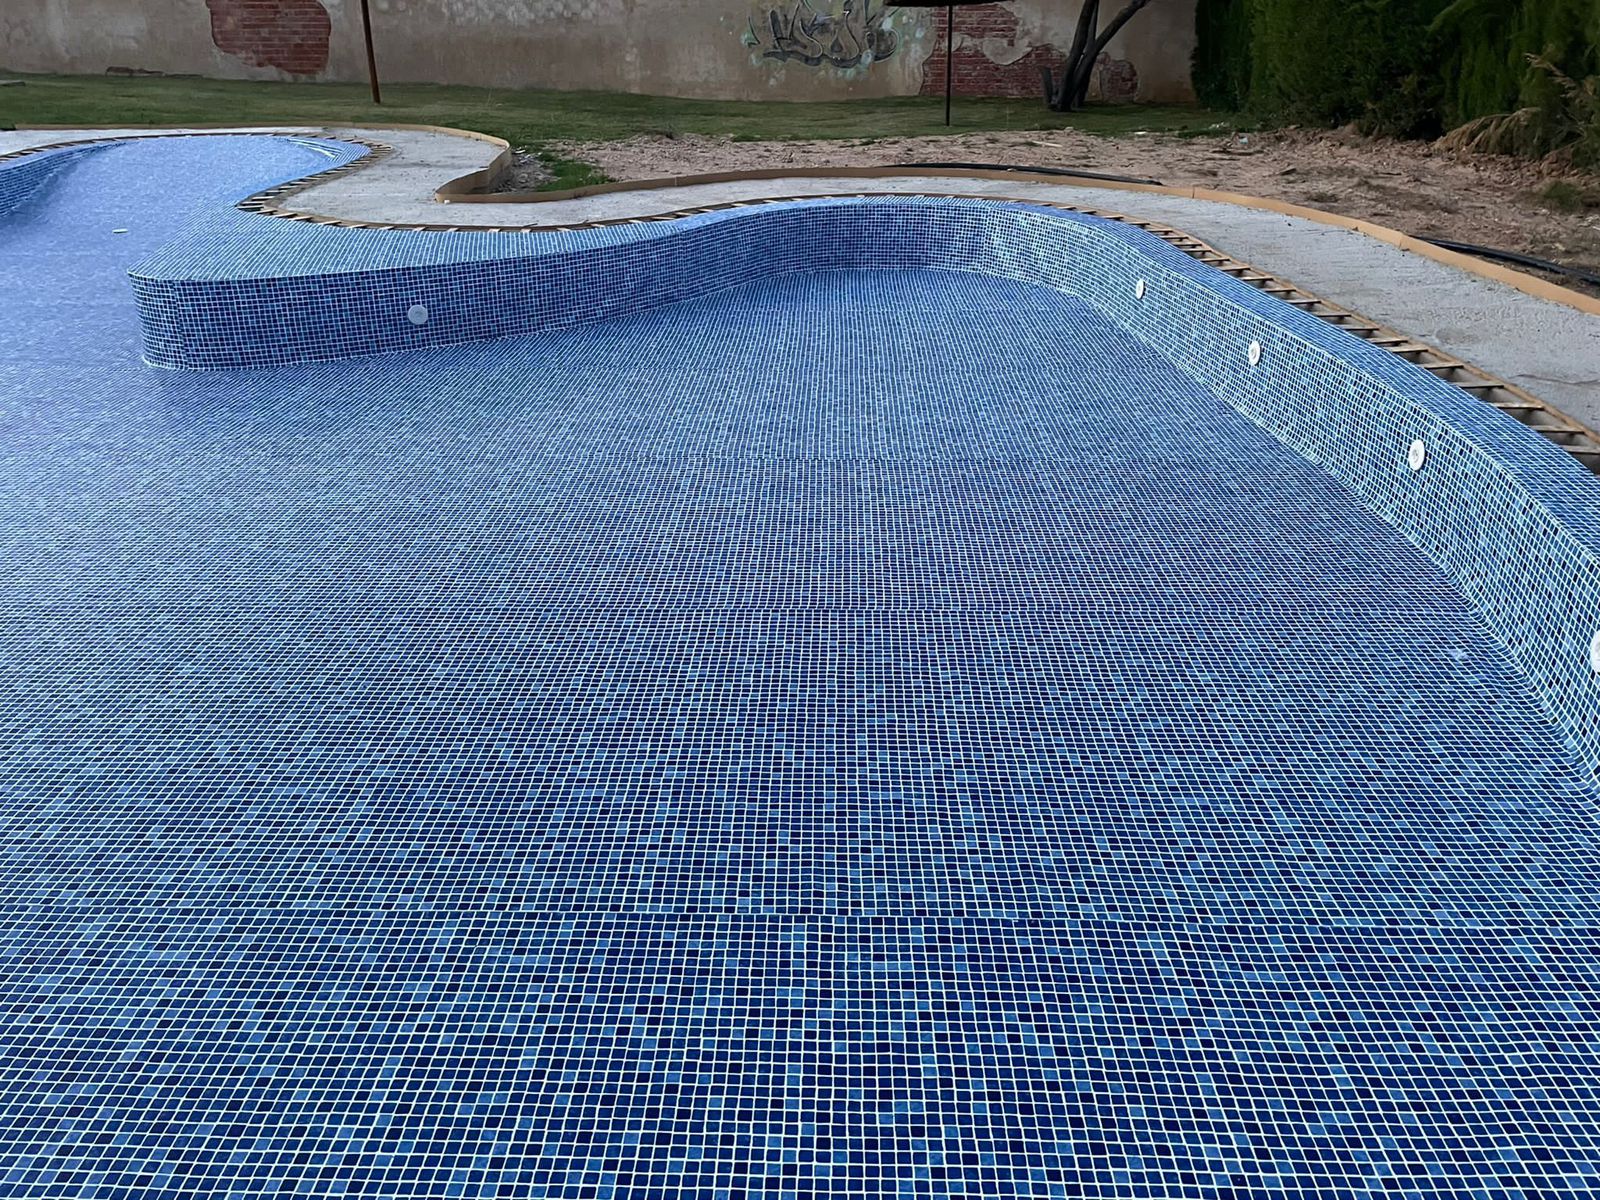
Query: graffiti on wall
(856, 36)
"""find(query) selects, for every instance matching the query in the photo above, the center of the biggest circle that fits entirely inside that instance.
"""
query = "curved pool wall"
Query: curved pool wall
(23, 176)
(1513, 520)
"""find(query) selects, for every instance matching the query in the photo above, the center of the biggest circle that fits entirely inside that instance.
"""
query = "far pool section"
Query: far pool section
(1510, 518)
(21, 176)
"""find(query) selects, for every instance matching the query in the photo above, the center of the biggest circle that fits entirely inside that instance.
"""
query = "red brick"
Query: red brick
(291, 35)
(976, 74)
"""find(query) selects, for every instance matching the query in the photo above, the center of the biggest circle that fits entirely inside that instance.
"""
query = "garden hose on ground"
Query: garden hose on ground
(1513, 257)
(1516, 259)
(1062, 171)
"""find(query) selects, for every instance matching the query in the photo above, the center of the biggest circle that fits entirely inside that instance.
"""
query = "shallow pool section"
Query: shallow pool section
(863, 732)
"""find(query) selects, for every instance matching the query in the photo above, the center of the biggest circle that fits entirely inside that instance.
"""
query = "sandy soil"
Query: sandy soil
(1411, 186)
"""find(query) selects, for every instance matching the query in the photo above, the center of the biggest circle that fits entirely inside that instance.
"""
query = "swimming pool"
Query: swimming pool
(957, 727)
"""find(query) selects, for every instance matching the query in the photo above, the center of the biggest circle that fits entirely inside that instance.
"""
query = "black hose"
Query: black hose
(1062, 171)
(1489, 252)
(1521, 260)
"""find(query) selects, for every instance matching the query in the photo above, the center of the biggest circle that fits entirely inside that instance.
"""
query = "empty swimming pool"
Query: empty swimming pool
(861, 732)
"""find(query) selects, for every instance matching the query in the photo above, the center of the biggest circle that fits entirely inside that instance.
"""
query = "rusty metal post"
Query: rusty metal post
(372, 59)
(949, 56)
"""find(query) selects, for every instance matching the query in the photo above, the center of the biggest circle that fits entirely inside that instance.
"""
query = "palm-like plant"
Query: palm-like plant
(1564, 122)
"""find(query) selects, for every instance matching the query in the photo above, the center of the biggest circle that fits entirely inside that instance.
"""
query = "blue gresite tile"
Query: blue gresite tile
(898, 732)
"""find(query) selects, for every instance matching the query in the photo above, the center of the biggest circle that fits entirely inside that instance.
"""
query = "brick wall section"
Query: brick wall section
(976, 73)
(291, 35)
(979, 75)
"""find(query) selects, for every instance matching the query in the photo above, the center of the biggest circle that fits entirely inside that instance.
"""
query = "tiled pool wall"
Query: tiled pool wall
(23, 176)
(1512, 520)
(475, 285)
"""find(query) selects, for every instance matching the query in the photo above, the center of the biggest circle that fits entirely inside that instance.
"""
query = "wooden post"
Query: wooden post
(372, 59)
(949, 56)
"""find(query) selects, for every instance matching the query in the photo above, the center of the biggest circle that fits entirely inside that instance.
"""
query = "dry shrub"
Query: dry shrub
(1563, 121)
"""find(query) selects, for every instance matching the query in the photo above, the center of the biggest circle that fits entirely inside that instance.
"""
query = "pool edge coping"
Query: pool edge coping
(461, 189)
(449, 193)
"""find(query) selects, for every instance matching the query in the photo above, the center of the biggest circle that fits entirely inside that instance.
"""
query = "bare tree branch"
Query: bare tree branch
(1115, 25)
(1087, 46)
(1092, 55)
(1088, 15)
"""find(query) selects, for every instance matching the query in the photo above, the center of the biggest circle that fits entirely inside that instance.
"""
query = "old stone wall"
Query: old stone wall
(735, 49)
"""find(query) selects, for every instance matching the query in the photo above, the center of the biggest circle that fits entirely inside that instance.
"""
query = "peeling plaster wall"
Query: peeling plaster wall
(726, 50)
(660, 47)
(1000, 49)
(177, 37)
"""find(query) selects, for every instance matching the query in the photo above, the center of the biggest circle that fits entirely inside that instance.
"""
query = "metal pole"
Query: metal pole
(949, 54)
(372, 59)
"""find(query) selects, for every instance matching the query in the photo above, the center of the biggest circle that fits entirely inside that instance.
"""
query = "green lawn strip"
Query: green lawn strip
(522, 117)
(530, 119)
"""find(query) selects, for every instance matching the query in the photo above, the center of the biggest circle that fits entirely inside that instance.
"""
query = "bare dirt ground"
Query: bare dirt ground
(1416, 187)
(526, 174)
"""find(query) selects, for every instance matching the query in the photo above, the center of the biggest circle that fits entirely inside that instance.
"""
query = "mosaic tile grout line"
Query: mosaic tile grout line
(504, 300)
(537, 768)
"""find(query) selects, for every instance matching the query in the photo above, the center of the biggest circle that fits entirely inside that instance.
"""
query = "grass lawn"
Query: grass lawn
(527, 119)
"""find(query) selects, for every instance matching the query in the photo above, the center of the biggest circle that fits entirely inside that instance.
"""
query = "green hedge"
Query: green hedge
(1485, 43)
(1222, 57)
(1404, 65)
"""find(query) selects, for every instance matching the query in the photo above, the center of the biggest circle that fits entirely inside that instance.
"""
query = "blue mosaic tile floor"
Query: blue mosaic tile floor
(876, 734)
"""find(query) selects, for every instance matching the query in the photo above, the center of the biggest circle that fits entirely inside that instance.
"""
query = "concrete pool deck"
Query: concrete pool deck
(1547, 348)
